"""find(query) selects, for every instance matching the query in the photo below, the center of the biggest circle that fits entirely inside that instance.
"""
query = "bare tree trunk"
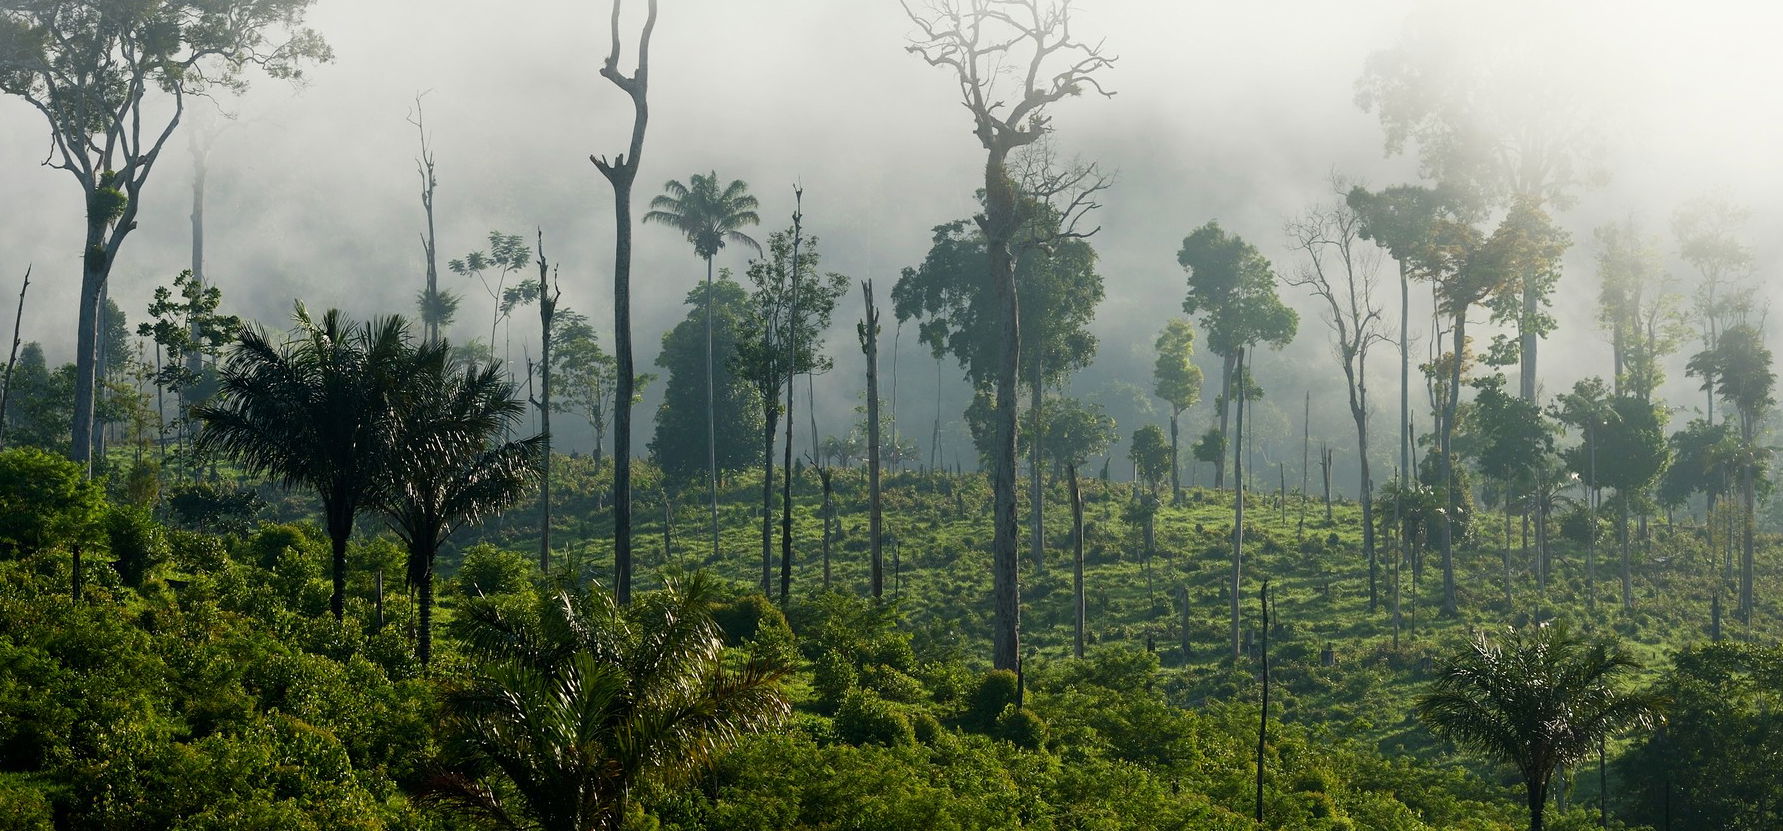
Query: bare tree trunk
(1328, 459)
(1748, 492)
(1000, 224)
(1448, 463)
(829, 516)
(95, 269)
(869, 336)
(1238, 516)
(711, 412)
(767, 496)
(12, 359)
(621, 173)
(1036, 494)
(1305, 460)
(1077, 603)
(548, 297)
(1175, 464)
(1226, 370)
(792, 364)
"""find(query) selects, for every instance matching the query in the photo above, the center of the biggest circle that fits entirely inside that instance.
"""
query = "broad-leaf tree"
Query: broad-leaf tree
(683, 409)
(1177, 380)
(1232, 286)
(976, 41)
(781, 337)
(1743, 374)
(111, 78)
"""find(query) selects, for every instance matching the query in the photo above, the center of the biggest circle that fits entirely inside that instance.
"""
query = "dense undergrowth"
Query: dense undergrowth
(199, 682)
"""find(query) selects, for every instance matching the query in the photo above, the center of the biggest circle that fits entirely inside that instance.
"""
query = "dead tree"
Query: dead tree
(792, 371)
(868, 329)
(622, 172)
(1012, 60)
(12, 359)
(1342, 271)
(550, 291)
(435, 307)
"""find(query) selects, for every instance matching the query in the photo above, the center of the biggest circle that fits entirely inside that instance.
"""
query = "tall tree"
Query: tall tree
(437, 305)
(1707, 231)
(710, 217)
(1512, 444)
(584, 702)
(318, 412)
(682, 412)
(1489, 109)
(976, 40)
(622, 172)
(507, 255)
(1343, 272)
(1640, 316)
(1401, 219)
(450, 467)
(868, 331)
(1538, 698)
(1232, 286)
(1177, 380)
(956, 302)
(12, 359)
(1745, 377)
(780, 338)
(1590, 408)
(111, 78)
(548, 294)
(590, 376)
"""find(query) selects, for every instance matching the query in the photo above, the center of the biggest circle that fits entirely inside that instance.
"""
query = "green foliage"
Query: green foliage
(736, 409)
(1150, 452)
(486, 569)
(952, 296)
(865, 718)
(1175, 378)
(1712, 766)
(137, 543)
(709, 215)
(998, 690)
(1232, 287)
(46, 502)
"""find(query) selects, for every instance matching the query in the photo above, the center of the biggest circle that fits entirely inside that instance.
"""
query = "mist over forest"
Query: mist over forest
(910, 415)
(1239, 112)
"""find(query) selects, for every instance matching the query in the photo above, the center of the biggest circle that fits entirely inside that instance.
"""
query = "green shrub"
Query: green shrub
(487, 570)
(46, 502)
(1021, 727)
(865, 718)
(137, 543)
(832, 677)
(892, 685)
(997, 690)
(742, 618)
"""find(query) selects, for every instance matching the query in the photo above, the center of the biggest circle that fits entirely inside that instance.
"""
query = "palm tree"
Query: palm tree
(450, 468)
(314, 412)
(710, 218)
(586, 700)
(1537, 697)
